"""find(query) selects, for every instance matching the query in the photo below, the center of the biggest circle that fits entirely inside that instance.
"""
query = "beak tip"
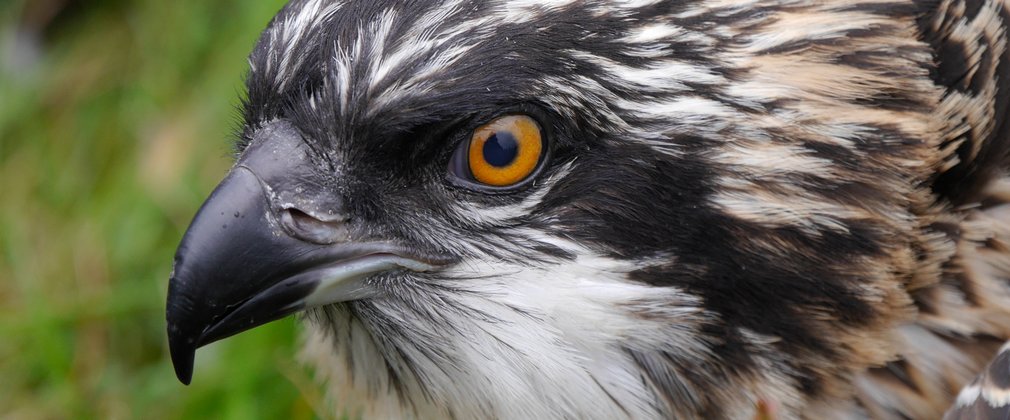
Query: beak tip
(184, 377)
(183, 352)
(183, 362)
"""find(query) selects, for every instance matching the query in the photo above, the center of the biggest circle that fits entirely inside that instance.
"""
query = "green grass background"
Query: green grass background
(114, 125)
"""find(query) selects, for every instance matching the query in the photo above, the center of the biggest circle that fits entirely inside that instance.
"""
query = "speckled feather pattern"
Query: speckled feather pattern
(801, 204)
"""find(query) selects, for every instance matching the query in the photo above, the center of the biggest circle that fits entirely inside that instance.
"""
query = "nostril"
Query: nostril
(308, 228)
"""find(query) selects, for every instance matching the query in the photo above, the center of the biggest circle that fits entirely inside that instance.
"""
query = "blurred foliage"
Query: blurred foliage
(115, 118)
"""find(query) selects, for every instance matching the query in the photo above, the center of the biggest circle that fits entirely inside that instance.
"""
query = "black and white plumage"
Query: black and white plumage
(988, 396)
(792, 204)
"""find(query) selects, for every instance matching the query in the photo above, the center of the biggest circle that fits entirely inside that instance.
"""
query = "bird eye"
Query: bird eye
(501, 153)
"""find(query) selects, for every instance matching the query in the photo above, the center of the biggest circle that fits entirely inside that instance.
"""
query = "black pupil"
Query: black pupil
(501, 149)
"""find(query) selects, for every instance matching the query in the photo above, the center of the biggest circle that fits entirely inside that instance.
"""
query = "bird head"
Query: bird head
(574, 202)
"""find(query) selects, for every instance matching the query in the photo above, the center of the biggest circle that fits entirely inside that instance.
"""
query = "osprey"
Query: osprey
(621, 209)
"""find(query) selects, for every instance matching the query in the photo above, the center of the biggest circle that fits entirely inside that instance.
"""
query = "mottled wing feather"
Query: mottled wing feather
(988, 396)
(969, 38)
(964, 312)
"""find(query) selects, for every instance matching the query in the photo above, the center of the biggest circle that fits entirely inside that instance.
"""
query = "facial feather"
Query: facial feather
(733, 211)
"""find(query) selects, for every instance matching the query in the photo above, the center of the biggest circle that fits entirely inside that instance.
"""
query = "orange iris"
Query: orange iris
(505, 150)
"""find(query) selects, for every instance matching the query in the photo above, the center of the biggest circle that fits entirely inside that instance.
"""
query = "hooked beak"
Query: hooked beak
(250, 257)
